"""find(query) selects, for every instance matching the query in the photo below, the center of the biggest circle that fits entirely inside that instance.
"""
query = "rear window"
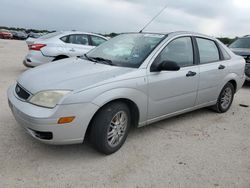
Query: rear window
(50, 35)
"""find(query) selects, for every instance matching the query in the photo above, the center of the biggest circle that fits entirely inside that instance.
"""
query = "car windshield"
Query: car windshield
(241, 43)
(126, 50)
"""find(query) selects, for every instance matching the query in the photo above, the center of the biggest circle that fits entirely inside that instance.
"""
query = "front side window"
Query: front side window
(78, 39)
(96, 41)
(179, 50)
(208, 51)
(127, 50)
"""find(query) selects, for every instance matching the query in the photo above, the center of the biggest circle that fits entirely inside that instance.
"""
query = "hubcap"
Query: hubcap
(117, 128)
(226, 98)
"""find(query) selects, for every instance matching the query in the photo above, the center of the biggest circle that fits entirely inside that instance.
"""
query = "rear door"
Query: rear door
(96, 41)
(172, 91)
(78, 44)
(212, 68)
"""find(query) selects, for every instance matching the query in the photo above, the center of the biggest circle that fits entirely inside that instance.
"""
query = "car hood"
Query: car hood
(70, 74)
(241, 51)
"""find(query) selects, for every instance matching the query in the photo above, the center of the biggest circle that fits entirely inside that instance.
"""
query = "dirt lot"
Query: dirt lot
(198, 149)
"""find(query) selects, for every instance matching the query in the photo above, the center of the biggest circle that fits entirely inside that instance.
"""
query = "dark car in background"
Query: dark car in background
(35, 35)
(19, 35)
(242, 47)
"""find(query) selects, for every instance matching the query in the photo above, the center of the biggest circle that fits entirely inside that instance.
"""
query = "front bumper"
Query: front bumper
(41, 123)
(36, 58)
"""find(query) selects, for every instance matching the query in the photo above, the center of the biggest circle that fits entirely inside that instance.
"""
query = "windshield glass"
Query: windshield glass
(241, 43)
(127, 50)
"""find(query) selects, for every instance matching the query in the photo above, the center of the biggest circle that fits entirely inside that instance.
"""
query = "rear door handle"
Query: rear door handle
(221, 67)
(190, 73)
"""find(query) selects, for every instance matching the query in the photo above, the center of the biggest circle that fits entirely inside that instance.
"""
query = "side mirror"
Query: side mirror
(166, 66)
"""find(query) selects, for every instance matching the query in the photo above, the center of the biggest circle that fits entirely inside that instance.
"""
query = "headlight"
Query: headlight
(48, 99)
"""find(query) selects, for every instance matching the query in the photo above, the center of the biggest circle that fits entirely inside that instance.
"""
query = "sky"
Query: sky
(212, 17)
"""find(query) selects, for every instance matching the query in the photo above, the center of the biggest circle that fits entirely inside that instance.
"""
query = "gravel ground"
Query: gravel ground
(198, 149)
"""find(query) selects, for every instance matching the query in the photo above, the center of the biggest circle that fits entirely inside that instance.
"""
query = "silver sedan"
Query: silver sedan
(133, 79)
(60, 45)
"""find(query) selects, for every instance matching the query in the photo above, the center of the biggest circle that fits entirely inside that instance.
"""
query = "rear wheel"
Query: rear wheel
(225, 99)
(110, 126)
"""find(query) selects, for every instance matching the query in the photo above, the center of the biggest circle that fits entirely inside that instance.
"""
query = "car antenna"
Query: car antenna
(153, 18)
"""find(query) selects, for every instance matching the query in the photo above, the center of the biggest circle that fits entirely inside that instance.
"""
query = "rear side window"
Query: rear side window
(226, 56)
(64, 39)
(96, 41)
(78, 39)
(208, 51)
(180, 51)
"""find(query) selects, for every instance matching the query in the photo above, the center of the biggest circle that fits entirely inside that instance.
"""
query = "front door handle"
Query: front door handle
(72, 50)
(190, 73)
(221, 67)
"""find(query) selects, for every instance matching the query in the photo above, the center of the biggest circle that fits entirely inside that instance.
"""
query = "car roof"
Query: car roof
(176, 33)
(79, 32)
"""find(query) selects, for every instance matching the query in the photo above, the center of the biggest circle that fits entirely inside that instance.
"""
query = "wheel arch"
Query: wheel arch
(234, 79)
(234, 83)
(134, 112)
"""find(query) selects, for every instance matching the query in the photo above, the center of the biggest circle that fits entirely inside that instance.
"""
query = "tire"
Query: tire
(225, 99)
(114, 120)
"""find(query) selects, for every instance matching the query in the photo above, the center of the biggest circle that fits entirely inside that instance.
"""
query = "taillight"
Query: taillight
(36, 47)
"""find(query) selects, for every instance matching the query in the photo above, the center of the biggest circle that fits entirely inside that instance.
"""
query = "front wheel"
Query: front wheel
(110, 126)
(225, 99)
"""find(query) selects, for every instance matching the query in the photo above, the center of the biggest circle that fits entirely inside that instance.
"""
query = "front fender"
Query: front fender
(138, 97)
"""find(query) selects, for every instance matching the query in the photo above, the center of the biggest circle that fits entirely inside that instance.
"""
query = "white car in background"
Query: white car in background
(60, 45)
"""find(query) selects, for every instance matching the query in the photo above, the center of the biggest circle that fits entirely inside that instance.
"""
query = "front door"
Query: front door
(173, 91)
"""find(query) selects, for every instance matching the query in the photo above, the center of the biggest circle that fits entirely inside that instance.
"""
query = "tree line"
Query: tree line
(225, 40)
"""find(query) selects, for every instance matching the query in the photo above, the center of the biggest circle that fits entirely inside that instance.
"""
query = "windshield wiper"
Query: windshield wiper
(89, 58)
(106, 61)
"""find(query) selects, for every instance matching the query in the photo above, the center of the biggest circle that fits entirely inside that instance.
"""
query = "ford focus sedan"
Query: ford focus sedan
(133, 79)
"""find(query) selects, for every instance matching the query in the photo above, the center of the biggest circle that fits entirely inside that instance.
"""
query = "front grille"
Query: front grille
(21, 92)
